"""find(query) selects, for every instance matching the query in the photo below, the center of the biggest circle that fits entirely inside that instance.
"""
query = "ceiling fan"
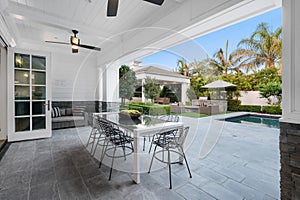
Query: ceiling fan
(75, 42)
(112, 6)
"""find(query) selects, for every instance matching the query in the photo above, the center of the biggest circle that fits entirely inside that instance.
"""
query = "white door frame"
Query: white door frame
(3, 93)
(35, 134)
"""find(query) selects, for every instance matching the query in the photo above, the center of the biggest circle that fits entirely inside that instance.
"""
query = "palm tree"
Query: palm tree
(264, 47)
(183, 67)
(223, 62)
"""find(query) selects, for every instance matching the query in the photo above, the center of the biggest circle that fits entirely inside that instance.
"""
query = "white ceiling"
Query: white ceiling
(137, 25)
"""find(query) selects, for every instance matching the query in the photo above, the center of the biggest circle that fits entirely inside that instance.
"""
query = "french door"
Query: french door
(29, 95)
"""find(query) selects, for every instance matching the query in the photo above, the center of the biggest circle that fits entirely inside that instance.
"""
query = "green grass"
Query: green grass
(198, 115)
(193, 115)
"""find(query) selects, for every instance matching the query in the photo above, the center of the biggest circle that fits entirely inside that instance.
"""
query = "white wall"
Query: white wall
(252, 98)
(74, 77)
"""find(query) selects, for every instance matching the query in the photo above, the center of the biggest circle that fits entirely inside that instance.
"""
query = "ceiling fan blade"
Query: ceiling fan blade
(157, 2)
(57, 42)
(89, 47)
(112, 8)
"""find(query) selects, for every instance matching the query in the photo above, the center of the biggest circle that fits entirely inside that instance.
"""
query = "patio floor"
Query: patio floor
(244, 164)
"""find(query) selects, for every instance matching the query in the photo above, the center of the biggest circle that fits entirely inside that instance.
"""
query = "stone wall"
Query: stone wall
(290, 161)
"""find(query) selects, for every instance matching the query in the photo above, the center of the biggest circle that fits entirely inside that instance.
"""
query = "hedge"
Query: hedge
(250, 108)
(134, 107)
(152, 109)
(233, 105)
(272, 110)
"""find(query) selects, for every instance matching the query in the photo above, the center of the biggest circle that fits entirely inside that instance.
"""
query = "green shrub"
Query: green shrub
(250, 108)
(233, 105)
(150, 108)
(272, 110)
(135, 107)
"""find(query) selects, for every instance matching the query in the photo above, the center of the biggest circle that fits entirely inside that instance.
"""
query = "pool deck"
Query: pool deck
(242, 163)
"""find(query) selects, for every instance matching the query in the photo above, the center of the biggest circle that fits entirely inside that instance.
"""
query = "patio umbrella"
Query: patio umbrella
(218, 85)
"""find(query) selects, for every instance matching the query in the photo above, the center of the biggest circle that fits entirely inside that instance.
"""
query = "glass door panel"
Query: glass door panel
(22, 124)
(38, 108)
(22, 108)
(22, 61)
(38, 92)
(22, 77)
(38, 123)
(38, 78)
(22, 92)
(38, 62)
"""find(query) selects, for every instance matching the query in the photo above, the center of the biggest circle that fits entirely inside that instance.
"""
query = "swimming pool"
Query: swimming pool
(261, 120)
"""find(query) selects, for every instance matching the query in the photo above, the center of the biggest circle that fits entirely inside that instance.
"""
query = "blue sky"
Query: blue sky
(212, 42)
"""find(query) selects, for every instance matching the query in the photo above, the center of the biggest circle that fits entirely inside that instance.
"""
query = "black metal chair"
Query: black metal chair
(167, 118)
(171, 143)
(115, 138)
(96, 133)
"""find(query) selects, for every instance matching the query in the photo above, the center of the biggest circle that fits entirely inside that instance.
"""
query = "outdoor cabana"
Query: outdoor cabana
(164, 77)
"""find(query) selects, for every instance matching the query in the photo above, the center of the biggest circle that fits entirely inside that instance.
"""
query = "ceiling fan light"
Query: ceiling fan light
(74, 40)
(74, 48)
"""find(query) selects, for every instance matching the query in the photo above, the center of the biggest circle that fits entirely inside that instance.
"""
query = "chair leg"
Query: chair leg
(102, 154)
(152, 158)
(87, 144)
(187, 165)
(94, 139)
(170, 172)
(144, 143)
(151, 143)
(112, 163)
(124, 153)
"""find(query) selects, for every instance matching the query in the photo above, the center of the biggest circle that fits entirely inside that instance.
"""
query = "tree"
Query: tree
(169, 93)
(151, 88)
(271, 89)
(183, 67)
(127, 83)
(264, 47)
(223, 62)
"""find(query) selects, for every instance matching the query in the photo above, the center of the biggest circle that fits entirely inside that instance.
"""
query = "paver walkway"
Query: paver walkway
(244, 164)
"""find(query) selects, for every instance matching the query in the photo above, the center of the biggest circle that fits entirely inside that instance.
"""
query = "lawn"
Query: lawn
(198, 115)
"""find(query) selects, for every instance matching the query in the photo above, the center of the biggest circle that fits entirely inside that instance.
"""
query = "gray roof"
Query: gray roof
(158, 71)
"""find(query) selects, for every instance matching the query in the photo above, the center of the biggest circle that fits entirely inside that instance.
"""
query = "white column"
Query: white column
(184, 88)
(290, 61)
(111, 83)
(143, 96)
(101, 76)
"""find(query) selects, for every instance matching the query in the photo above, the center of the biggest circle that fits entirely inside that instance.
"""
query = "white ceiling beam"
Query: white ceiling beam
(20, 11)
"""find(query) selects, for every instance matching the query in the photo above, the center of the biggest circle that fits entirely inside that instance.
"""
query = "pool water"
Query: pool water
(268, 121)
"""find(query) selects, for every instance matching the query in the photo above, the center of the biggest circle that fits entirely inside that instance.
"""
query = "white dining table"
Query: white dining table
(143, 126)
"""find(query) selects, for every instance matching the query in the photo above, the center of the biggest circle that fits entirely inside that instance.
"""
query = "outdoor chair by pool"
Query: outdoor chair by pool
(171, 142)
(115, 139)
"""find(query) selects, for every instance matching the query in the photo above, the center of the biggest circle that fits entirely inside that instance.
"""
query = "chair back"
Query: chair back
(182, 135)
(173, 118)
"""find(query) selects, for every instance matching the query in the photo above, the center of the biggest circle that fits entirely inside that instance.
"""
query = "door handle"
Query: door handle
(48, 105)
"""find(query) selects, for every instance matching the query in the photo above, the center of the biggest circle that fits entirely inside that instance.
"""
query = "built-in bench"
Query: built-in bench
(70, 117)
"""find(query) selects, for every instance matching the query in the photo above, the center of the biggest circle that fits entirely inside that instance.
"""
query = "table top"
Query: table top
(144, 123)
